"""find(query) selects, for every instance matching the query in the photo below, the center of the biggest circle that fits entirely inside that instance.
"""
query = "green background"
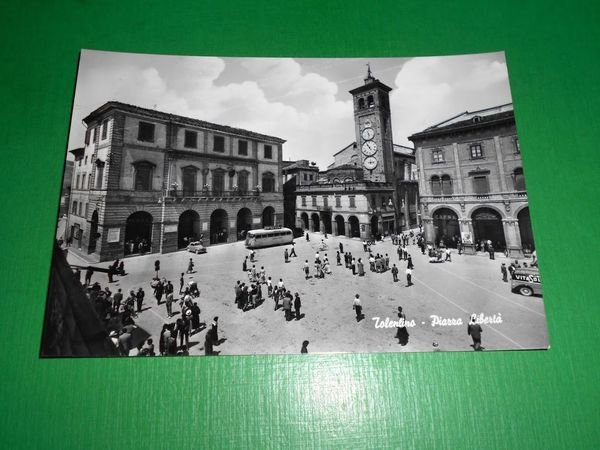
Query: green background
(533, 399)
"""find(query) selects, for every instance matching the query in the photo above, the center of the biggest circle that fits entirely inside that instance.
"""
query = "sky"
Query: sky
(302, 100)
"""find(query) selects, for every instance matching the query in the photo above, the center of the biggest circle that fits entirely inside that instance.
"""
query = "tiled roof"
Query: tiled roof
(180, 119)
(481, 117)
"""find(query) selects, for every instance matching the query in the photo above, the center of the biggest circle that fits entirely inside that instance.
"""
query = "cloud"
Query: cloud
(431, 89)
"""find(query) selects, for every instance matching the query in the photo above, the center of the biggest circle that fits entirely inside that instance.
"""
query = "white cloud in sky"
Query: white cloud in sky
(282, 97)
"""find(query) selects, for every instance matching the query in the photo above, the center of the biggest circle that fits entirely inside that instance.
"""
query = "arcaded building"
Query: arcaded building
(370, 189)
(471, 182)
(151, 182)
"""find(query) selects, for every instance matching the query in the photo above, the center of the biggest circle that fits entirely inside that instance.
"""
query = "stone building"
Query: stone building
(362, 194)
(148, 181)
(295, 173)
(471, 182)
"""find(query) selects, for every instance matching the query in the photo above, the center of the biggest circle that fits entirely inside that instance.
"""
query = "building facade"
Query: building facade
(151, 182)
(295, 173)
(471, 182)
(359, 195)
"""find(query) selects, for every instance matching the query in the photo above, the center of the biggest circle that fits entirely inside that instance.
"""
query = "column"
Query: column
(501, 174)
(428, 230)
(512, 236)
(422, 182)
(406, 211)
(334, 227)
(458, 175)
(466, 234)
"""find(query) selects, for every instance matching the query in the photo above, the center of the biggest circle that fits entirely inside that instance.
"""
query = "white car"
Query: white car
(196, 247)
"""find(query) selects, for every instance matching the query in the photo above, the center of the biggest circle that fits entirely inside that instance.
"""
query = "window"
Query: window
(83, 185)
(87, 205)
(80, 209)
(93, 135)
(218, 181)
(79, 162)
(370, 101)
(87, 136)
(305, 177)
(268, 152)
(143, 176)
(481, 185)
(325, 201)
(85, 162)
(243, 148)
(188, 181)
(146, 132)
(104, 129)
(519, 179)
(437, 156)
(219, 144)
(304, 200)
(447, 185)
(190, 139)
(517, 145)
(99, 174)
(77, 182)
(338, 201)
(476, 151)
(436, 186)
(314, 200)
(74, 208)
(243, 181)
(268, 182)
(352, 201)
(361, 103)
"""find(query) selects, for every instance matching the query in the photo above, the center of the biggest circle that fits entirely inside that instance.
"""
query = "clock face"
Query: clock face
(369, 148)
(368, 134)
(370, 163)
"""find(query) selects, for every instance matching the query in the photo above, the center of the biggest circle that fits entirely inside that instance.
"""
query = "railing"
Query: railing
(489, 196)
(354, 186)
(180, 193)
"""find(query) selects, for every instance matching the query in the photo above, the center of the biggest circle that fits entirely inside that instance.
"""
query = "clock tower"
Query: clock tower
(372, 122)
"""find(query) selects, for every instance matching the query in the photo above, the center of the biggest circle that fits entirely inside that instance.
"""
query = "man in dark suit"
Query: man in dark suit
(474, 330)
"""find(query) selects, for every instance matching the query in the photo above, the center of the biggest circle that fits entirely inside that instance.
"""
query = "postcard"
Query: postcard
(240, 206)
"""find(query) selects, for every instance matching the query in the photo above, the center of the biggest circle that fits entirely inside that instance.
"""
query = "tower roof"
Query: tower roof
(370, 83)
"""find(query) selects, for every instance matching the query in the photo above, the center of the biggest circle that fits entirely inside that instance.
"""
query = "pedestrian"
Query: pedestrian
(269, 287)
(361, 267)
(408, 277)
(88, 276)
(297, 305)
(252, 254)
(304, 349)
(402, 333)
(474, 330)
(338, 258)
(293, 251)
(195, 318)
(156, 267)
(353, 264)
(491, 251)
(140, 299)
(341, 248)
(169, 304)
(365, 245)
(110, 273)
(181, 283)
(208, 343)
(158, 292)
(306, 270)
(410, 264)
(387, 262)
(118, 297)
(287, 306)
(190, 268)
(395, 273)
(214, 328)
(357, 307)
(245, 265)
(504, 272)
(448, 258)
(286, 256)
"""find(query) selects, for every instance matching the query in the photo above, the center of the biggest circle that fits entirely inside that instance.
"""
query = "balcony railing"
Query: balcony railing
(511, 195)
(180, 193)
(352, 186)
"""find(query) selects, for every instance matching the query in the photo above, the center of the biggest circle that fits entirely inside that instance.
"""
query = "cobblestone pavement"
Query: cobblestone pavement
(452, 291)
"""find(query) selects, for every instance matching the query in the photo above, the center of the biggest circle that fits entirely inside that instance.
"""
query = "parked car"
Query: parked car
(196, 247)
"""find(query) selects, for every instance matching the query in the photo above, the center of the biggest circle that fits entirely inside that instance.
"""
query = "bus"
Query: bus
(526, 281)
(269, 236)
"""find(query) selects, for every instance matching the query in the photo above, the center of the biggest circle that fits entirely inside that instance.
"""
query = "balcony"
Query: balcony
(213, 193)
(491, 196)
(344, 187)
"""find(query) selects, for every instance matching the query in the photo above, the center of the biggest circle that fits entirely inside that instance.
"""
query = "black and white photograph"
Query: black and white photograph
(241, 206)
